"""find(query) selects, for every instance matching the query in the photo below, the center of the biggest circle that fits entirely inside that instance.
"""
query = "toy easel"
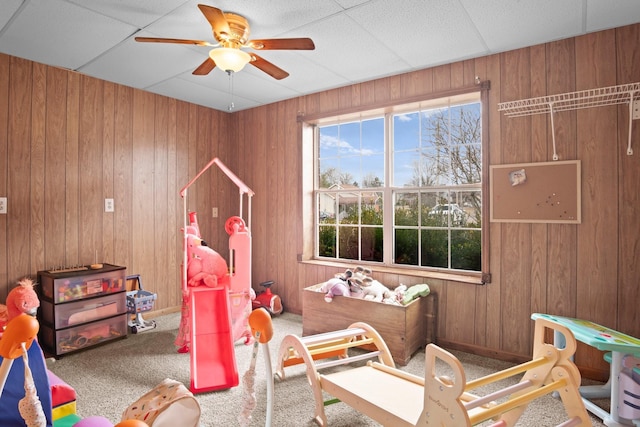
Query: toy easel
(623, 387)
(218, 315)
(396, 398)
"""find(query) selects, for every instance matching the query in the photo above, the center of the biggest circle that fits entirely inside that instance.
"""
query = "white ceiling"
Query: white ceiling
(356, 40)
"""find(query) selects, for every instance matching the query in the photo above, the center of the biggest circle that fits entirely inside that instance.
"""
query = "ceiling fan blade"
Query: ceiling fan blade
(266, 66)
(179, 41)
(288, 44)
(216, 18)
(204, 68)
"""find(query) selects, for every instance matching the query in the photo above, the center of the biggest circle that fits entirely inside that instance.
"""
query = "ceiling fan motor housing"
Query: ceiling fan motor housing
(238, 31)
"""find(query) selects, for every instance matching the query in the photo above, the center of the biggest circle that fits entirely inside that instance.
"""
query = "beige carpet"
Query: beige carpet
(109, 378)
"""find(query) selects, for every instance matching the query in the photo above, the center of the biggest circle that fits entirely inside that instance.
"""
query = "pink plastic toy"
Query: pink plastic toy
(214, 316)
(205, 266)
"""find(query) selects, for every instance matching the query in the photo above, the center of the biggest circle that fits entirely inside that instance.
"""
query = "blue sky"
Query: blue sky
(358, 147)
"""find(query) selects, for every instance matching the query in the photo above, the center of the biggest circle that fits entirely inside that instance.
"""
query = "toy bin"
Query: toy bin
(83, 336)
(138, 302)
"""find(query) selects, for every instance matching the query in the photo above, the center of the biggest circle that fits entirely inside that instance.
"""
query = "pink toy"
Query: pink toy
(205, 266)
(21, 299)
(213, 318)
(333, 287)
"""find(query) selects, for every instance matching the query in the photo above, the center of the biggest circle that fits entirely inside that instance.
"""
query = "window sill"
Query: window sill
(471, 278)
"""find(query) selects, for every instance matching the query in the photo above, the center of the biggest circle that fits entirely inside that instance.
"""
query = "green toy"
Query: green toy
(415, 291)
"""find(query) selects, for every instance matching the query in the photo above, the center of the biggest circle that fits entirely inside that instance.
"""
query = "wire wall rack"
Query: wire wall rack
(612, 95)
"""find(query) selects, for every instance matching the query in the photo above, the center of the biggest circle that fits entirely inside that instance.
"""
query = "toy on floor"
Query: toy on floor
(19, 344)
(262, 328)
(212, 357)
(623, 354)
(139, 301)
(21, 299)
(20, 332)
(393, 397)
(267, 300)
(169, 404)
(97, 421)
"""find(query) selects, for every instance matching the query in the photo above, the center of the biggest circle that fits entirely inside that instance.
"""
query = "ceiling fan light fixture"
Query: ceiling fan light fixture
(230, 59)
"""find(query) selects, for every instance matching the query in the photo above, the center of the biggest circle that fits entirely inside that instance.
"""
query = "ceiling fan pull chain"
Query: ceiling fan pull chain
(231, 105)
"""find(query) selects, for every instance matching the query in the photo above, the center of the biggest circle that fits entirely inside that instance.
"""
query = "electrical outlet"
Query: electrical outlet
(3, 205)
(214, 212)
(108, 205)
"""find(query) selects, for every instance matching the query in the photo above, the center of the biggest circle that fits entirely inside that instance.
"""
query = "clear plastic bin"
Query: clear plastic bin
(83, 336)
(83, 311)
(70, 286)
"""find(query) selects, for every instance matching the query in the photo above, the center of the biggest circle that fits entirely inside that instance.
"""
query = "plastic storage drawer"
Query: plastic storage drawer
(83, 311)
(64, 287)
(83, 336)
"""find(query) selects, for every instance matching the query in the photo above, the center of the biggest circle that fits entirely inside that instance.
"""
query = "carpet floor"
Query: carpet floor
(110, 377)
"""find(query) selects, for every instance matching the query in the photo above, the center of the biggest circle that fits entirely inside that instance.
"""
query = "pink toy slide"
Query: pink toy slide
(216, 304)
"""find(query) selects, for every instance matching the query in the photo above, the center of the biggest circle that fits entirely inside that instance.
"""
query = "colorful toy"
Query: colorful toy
(334, 287)
(21, 299)
(262, 330)
(20, 333)
(393, 397)
(267, 300)
(415, 291)
(211, 346)
(623, 387)
(204, 266)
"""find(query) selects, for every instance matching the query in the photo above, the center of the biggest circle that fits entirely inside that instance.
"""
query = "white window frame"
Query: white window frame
(478, 93)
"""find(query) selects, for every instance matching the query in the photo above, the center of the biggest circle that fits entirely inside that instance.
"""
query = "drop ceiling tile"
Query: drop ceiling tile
(66, 35)
(141, 65)
(273, 18)
(7, 9)
(139, 13)
(201, 95)
(603, 15)
(504, 28)
(354, 57)
(307, 74)
(420, 32)
(185, 22)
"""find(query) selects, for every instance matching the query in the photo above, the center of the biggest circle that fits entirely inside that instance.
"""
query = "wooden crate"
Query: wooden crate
(405, 329)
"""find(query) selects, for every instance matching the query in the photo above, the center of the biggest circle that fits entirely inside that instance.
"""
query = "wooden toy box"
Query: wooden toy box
(405, 329)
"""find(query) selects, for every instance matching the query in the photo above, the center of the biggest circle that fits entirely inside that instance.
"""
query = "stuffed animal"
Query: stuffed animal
(374, 290)
(370, 288)
(397, 295)
(204, 265)
(334, 287)
(415, 291)
(21, 299)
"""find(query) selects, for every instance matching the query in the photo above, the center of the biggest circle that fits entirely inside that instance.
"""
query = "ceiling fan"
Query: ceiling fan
(232, 33)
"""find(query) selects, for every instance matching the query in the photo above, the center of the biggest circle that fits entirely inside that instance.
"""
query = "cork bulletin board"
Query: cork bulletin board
(536, 192)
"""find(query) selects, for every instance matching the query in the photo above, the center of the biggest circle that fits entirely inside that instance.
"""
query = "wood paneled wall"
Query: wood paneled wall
(68, 141)
(590, 270)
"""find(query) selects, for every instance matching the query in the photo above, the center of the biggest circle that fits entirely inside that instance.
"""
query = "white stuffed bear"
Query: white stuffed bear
(374, 290)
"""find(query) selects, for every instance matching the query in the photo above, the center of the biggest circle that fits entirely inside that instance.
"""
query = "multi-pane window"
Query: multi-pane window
(403, 187)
